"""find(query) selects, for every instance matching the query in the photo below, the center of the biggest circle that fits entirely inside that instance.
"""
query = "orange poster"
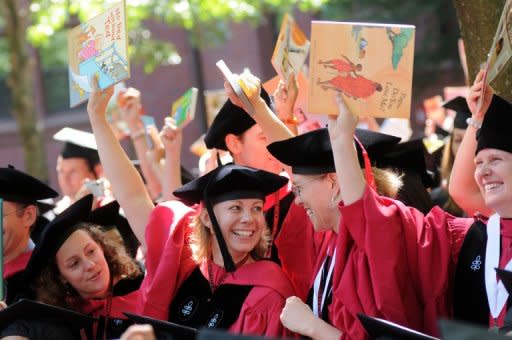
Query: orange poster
(370, 64)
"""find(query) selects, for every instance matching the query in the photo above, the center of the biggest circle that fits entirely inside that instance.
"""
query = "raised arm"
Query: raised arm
(273, 128)
(171, 137)
(130, 113)
(341, 131)
(463, 187)
(127, 185)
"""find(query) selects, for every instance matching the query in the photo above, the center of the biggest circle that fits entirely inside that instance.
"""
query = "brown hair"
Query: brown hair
(49, 287)
(201, 238)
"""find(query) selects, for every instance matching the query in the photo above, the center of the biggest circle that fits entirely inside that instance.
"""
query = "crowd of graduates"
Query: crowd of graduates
(312, 234)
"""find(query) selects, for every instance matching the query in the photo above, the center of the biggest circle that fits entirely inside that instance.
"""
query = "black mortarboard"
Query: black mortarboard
(108, 217)
(230, 119)
(32, 310)
(56, 233)
(311, 152)
(455, 330)
(78, 144)
(461, 108)
(229, 182)
(165, 329)
(383, 329)
(218, 334)
(442, 133)
(407, 157)
(495, 130)
(17, 186)
(506, 278)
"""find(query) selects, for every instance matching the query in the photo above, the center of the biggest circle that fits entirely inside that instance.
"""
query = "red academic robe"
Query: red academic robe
(169, 263)
(395, 263)
(13, 276)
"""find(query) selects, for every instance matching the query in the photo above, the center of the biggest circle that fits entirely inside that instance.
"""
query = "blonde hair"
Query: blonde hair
(201, 240)
(387, 181)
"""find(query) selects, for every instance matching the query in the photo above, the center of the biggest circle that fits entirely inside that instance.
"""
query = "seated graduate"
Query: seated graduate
(210, 270)
(20, 193)
(448, 261)
(75, 265)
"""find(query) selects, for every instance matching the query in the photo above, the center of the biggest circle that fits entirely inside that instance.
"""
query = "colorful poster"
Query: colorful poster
(370, 64)
(99, 46)
(291, 49)
(184, 108)
(501, 49)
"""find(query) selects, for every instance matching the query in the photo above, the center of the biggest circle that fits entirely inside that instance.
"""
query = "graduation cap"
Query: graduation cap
(108, 217)
(407, 157)
(230, 119)
(382, 329)
(78, 144)
(462, 112)
(455, 330)
(495, 130)
(217, 334)
(32, 310)
(228, 182)
(19, 187)
(165, 329)
(311, 152)
(56, 233)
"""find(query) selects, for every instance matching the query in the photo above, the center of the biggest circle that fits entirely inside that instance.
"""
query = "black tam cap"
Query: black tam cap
(108, 217)
(311, 152)
(164, 329)
(56, 233)
(495, 130)
(19, 187)
(461, 108)
(78, 144)
(219, 334)
(230, 119)
(454, 330)
(407, 157)
(229, 182)
(35, 311)
(383, 329)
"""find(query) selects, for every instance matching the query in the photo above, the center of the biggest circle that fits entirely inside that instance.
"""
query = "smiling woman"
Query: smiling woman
(76, 266)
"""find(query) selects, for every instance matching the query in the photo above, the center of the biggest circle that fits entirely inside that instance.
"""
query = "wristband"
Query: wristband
(474, 123)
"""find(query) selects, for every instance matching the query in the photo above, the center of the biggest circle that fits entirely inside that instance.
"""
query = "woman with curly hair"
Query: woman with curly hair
(75, 265)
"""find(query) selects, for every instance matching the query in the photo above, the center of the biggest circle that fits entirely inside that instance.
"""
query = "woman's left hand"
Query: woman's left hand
(297, 316)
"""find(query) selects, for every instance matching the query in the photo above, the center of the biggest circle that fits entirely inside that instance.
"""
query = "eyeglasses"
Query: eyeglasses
(297, 189)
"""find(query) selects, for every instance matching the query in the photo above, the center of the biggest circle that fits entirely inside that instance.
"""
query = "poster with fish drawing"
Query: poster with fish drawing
(291, 49)
(370, 64)
(98, 46)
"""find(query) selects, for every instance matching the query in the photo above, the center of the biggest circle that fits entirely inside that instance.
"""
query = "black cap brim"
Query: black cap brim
(17, 186)
(382, 329)
(32, 310)
(165, 328)
(454, 330)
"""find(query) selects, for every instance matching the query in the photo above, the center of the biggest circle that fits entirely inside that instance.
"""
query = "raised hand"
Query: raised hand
(98, 100)
(475, 92)
(343, 125)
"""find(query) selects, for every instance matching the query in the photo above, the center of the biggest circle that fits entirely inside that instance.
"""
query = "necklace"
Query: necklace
(213, 286)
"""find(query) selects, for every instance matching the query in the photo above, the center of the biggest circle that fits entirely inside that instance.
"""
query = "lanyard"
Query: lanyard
(320, 291)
